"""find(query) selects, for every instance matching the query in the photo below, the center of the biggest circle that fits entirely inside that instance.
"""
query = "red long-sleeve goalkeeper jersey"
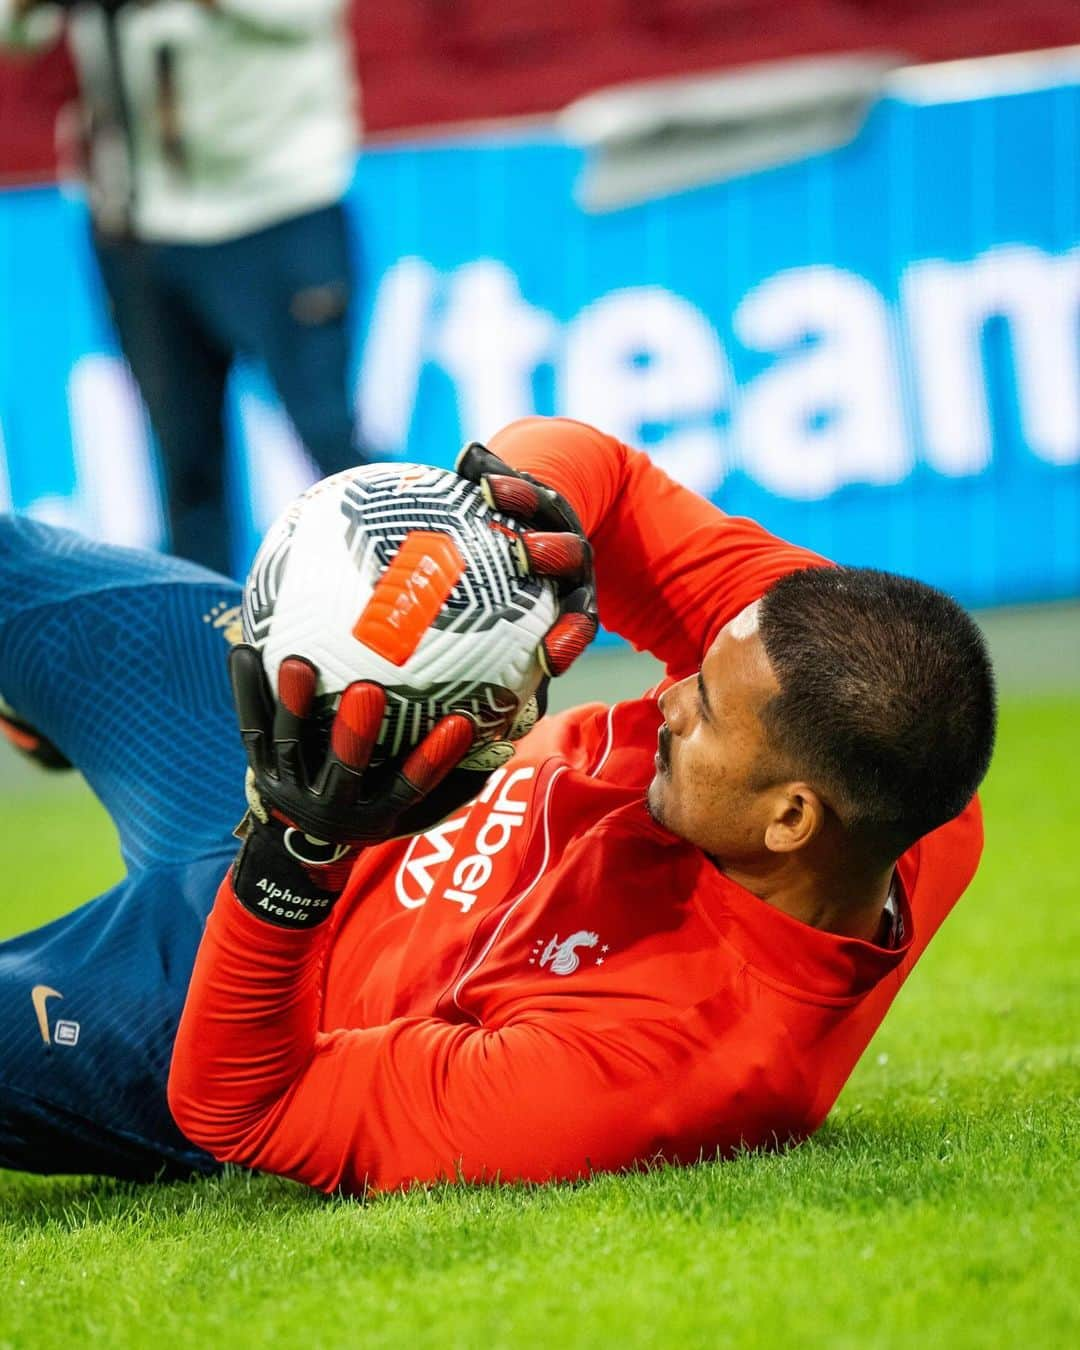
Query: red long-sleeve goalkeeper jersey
(548, 982)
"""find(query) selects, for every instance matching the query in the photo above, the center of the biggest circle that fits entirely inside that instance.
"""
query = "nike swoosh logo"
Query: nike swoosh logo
(39, 996)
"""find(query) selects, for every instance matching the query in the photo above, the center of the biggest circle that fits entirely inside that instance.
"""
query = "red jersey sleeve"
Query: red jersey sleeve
(671, 568)
(421, 1099)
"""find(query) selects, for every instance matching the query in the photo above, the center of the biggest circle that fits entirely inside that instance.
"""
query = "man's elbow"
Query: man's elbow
(210, 1125)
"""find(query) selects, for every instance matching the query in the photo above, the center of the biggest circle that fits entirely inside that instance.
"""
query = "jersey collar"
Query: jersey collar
(786, 952)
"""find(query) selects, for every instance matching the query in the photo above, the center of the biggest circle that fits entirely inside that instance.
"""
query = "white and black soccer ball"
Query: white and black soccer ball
(402, 574)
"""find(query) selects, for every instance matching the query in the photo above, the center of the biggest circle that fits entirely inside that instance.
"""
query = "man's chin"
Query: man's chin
(654, 800)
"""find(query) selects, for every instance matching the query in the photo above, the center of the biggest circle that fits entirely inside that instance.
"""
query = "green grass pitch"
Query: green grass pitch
(937, 1207)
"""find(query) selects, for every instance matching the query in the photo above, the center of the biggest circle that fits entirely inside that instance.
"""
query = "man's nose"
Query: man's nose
(672, 702)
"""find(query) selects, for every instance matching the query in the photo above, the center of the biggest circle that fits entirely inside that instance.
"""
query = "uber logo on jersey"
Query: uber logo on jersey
(427, 853)
(423, 858)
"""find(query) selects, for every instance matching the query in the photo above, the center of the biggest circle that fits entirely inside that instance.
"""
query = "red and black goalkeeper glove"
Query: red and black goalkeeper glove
(313, 803)
(552, 544)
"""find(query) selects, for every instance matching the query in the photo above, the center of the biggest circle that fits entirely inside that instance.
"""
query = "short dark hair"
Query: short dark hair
(886, 699)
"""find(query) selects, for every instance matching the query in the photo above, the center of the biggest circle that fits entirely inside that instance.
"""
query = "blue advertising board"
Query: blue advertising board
(875, 350)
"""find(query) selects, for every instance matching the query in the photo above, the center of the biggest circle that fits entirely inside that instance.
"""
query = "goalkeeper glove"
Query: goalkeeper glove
(29, 741)
(552, 544)
(314, 805)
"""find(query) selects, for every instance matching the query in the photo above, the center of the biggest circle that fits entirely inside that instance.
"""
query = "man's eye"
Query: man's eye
(703, 699)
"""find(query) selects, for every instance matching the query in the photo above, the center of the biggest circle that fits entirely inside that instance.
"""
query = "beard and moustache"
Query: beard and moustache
(663, 746)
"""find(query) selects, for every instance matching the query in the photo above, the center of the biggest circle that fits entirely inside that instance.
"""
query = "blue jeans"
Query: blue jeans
(184, 311)
(119, 657)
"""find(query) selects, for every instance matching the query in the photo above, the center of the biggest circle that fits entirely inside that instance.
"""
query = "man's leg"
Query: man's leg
(181, 372)
(119, 657)
(89, 1007)
(283, 294)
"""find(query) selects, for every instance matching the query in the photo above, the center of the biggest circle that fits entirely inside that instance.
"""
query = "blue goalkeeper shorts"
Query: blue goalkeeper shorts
(119, 658)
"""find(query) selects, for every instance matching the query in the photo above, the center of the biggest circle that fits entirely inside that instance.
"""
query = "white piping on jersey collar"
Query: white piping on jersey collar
(545, 809)
(895, 935)
(608, 742)
(541, 870)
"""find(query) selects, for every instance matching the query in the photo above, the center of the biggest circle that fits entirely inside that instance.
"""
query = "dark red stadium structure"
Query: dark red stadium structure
(33, 90)
(431, 62)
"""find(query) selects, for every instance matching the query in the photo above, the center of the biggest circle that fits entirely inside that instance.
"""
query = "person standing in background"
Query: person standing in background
(220, 139)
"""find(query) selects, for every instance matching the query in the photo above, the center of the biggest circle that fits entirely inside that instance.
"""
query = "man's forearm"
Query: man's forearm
(671, 568)
(268, 976)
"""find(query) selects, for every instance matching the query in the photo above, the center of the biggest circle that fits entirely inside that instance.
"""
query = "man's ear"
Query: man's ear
(798, 817)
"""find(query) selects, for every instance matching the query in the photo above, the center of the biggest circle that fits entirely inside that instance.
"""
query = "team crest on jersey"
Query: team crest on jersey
(226, 619)
(563, 958)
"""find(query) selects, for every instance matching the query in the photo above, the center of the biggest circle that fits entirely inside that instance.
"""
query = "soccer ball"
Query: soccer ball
(402, 574)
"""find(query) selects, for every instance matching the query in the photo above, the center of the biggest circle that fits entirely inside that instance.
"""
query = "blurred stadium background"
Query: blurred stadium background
(822, 259)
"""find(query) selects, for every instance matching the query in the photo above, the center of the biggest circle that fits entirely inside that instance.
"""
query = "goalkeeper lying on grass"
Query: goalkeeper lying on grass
(665, 929)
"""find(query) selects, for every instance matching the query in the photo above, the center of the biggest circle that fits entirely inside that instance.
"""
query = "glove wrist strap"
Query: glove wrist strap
(273, 884)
